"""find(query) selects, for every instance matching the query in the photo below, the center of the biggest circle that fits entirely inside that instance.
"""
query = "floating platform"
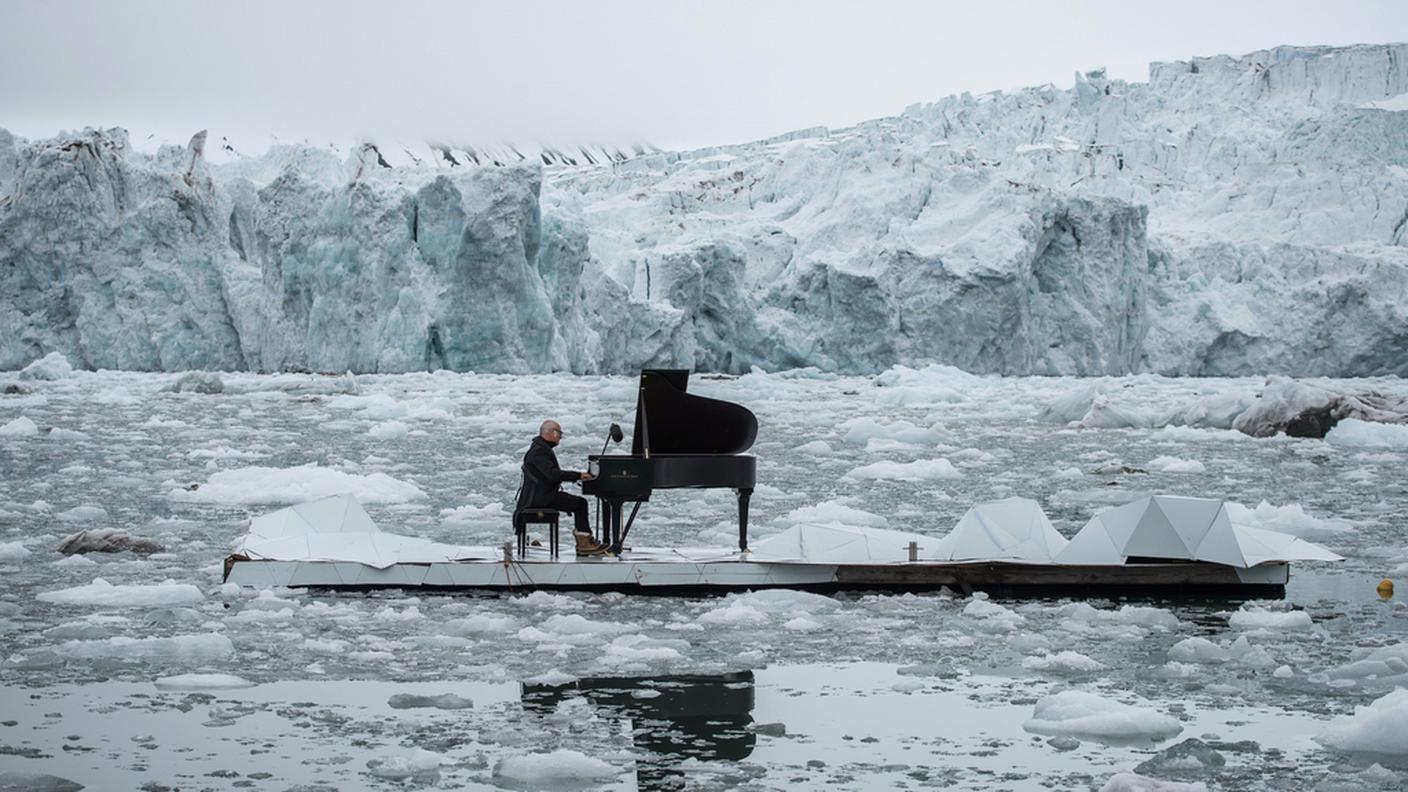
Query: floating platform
(1159, 546)
(685, 571)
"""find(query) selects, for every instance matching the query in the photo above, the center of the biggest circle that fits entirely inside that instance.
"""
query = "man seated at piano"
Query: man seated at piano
(542, 487)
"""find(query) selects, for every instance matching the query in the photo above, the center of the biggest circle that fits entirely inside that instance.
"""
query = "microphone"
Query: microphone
(613, 436)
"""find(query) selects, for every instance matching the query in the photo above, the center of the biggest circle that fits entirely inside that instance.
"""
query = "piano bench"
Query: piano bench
(535, 516)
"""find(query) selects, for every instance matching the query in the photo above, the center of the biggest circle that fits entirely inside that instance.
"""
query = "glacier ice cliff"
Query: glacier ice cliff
(1232, 215)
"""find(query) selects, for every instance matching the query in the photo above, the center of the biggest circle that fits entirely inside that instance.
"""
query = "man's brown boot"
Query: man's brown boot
(587, 546)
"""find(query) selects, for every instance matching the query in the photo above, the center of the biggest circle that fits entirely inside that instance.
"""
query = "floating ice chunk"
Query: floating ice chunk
(1197, 650)
(1130, 782)
(559, 767)
(802, 624)
(444, 701)
(1380, 727)
(202, 682)
(1079, 713)
(1071, 405)
(787, 602)
(918, 470)
(471, 516)
(1065, 663)
(1068, 473)
(553, 677)
(83, 514)
(1169, 464)
(19, 427)
(1244, 652)
(57, 433)
(992, 615)
(934, 384)
(13, 552)
(1283, 672)
(864, 431)
(407, 763)
(735, 613)
(389, 430)
(815, 448)
(1252, 617)
(1354, 433)
(1289, 519)
(1386, 663)
(53, 366)
(907, 686)
(102, 593)
(263, 485)
(642, 649)
(1137, 615)
(36, 782)
(834, 511)
(1104, 415)
(574, 624)
(481, 624)
(202, 647)
(118, 397)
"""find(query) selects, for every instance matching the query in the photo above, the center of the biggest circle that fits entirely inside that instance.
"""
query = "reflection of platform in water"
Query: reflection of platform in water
(676, 717)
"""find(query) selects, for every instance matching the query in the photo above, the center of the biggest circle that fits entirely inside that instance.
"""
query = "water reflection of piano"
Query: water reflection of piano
(680, 440)
(676, 717)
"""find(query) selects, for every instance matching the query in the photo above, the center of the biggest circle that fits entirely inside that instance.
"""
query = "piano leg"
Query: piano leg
(613, 525)
(743, 496)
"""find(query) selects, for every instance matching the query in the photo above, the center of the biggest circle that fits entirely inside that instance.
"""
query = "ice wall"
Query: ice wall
(1230, 216)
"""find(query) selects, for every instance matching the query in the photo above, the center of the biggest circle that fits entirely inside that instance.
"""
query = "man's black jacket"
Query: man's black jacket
(541, 475)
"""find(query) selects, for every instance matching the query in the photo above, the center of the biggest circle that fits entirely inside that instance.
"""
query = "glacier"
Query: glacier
(1230, 216)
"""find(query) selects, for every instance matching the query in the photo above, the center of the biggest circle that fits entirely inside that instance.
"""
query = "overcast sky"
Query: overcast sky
(676, 74)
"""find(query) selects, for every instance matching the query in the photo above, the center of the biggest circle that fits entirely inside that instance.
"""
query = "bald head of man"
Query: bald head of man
(551, 431)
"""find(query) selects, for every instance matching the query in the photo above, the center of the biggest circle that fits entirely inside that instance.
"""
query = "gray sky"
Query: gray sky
(677, 74)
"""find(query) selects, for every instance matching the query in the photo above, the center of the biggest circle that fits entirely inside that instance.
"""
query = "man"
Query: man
(542, 481)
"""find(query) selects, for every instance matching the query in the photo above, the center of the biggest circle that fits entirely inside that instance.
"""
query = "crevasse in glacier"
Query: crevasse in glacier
(1233, 215)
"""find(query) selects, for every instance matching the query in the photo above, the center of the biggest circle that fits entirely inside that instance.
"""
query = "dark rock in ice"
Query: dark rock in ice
(1064, 742)
(771, 729)
(108, 540)
(1191, 758)
(446, 701)
(1300, 409)
(14, 389)
(16, 781)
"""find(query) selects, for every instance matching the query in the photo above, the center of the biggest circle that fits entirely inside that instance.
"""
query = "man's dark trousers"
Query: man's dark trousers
(575, 504)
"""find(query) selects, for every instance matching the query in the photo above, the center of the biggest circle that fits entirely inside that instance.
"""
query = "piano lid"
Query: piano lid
(676, 422)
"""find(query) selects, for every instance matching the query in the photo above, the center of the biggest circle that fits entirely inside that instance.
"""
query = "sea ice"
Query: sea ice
(1252, 617)
(1197, 650)
(53, 366)
(19, 427)
(1065, 663)
(1354, 433)
(202, 682)
(1380, 727)
(557, 767)
(1080, 713)
(102, 593)
(276, 486)
(13, 552)
(918, 470)
(1169, 464)
(201, 647)
(1129, 782)
(405, 764)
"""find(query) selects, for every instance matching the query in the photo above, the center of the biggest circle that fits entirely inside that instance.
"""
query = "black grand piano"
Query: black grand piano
(680, 440)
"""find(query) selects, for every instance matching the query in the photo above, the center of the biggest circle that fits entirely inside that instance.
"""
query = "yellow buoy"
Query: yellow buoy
(1385, 588)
